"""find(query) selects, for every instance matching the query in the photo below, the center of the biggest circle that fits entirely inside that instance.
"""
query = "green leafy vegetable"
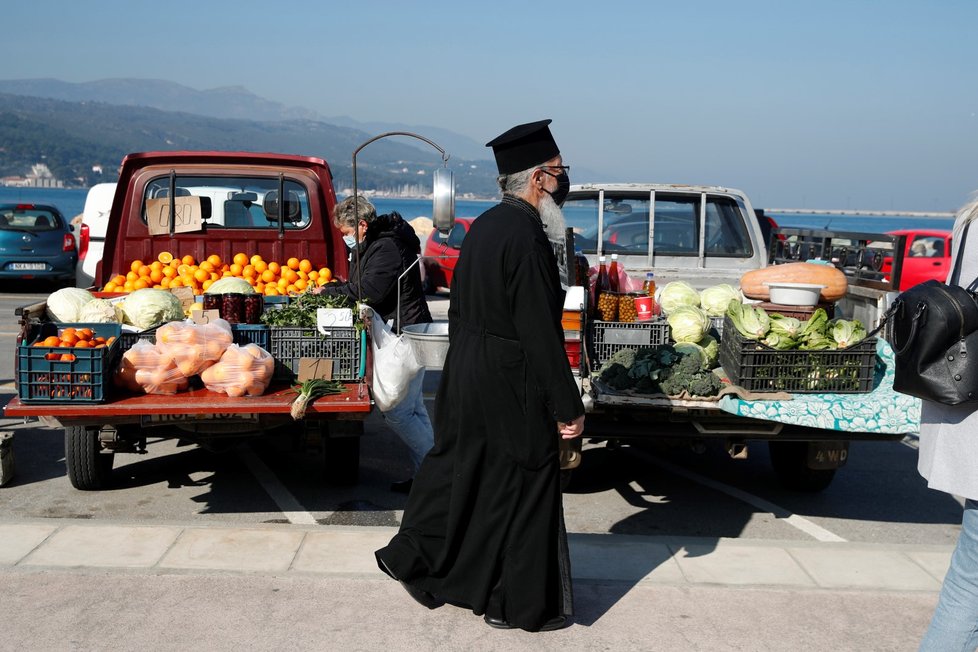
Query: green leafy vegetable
(309, 391)
(789, 327)
(753, 323)
(846, 333)
(688, 323)
(715, 299)
(301, 310)
(676, 294)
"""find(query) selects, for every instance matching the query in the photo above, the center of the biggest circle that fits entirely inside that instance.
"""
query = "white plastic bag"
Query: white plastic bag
(395, 365)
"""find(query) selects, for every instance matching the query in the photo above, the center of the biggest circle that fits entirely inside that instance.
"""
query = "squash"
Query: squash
(752, 283)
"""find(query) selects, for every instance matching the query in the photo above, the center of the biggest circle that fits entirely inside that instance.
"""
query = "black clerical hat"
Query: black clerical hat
(524, 146)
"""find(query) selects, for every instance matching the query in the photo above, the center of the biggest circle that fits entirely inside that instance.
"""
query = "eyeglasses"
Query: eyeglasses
(562, 168)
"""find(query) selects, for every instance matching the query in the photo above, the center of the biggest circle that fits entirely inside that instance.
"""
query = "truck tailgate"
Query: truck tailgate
(355, 398)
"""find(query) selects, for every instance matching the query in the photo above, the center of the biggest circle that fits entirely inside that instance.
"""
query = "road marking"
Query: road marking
(6, 334)
(286, 502)
(800, 522)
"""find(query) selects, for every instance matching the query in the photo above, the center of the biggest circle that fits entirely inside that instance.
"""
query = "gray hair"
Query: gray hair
(517, 182)
(347, 211)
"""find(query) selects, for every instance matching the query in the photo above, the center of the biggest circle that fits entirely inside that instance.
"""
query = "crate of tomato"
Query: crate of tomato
(67, 363)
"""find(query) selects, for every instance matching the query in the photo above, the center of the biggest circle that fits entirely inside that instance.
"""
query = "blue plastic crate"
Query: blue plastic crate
(251, 334)
(85, 379)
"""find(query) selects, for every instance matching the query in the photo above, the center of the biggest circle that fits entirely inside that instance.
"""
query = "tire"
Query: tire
(89, 469)
(790, 462)
(341, 451)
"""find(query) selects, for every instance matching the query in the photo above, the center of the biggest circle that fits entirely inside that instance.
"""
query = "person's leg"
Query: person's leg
(409, 419)
(954, 625)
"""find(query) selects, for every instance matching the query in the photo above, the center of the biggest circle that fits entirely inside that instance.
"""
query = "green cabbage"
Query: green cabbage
(785, 326)
(99, 311)
(711, 348)
(230, 284)
(677, 294)
(753, 323)
(715, 299)
(65, 304)
(846, 333)
(688, 324)
(151, 307)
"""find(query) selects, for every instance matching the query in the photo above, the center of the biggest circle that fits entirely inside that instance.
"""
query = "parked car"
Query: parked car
(91, 232)
(36, 242)
(441, 253)
(926, 256)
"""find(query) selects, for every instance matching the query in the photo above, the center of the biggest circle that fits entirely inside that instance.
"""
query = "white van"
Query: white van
(90, 234)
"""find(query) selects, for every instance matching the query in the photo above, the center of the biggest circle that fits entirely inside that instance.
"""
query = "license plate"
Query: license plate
(25, 267)
(149, 420)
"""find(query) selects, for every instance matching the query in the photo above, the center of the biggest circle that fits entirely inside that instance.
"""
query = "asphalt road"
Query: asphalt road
(877, 497)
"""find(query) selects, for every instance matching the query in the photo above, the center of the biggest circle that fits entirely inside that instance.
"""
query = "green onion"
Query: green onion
(309, 391)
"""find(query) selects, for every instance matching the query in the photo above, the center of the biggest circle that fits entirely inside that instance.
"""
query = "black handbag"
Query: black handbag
(933, 328)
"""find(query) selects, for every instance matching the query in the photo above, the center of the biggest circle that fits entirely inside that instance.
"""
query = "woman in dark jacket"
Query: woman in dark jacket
(382, 247)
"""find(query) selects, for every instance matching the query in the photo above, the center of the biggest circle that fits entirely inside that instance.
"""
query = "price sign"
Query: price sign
(186, 215)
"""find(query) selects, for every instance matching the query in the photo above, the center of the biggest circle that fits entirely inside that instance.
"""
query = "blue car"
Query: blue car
(36, 242)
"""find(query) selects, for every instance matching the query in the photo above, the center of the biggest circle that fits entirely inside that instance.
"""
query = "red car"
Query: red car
(441, 253)
(927, 256)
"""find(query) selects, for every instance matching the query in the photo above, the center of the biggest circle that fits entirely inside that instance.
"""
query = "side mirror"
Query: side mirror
(270, 206)
(443, 203)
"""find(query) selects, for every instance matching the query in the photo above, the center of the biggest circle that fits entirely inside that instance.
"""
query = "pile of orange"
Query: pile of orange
(268, 278)
(78, 338)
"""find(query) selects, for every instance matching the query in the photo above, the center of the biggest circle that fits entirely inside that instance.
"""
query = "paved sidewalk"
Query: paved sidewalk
(115, 585)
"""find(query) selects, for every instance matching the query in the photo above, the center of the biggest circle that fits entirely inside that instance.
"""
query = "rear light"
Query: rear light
(69, 243)
(83, 238)
(24, 207)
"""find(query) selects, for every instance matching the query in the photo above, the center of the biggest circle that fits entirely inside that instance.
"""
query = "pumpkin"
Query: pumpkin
(752, 283)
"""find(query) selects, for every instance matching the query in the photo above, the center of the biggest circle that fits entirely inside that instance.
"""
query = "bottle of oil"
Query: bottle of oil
(648, 287)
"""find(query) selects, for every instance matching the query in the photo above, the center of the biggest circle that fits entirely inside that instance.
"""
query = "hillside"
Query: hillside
(73, 136)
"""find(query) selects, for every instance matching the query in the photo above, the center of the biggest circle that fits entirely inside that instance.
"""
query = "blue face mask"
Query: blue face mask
(350, 240)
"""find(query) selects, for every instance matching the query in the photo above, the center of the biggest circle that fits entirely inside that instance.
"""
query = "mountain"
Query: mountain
(225, 102)
(73, 136)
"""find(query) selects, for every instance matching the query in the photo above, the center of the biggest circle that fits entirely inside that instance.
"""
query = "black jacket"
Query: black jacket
(389, 247)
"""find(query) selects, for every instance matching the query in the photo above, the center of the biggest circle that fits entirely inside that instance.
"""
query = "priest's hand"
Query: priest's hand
(571, 429)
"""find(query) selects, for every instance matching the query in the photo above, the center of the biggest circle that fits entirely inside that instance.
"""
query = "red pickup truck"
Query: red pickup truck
(240, 210)
(926, 256)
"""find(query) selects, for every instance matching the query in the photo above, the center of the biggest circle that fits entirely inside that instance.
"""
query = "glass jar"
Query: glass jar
(254, 305)
(212, 302)
(607, 308)
(232, 307)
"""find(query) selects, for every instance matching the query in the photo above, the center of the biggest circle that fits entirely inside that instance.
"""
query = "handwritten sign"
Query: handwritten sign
(186, 215)
(201, 317)
(185, 294)
(314, 368)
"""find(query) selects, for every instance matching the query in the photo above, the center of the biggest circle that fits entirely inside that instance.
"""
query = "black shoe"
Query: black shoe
(422, 597)
(554, 623)
(402, 487)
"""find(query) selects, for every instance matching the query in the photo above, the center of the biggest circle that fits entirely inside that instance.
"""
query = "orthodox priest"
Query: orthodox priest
(483, 527)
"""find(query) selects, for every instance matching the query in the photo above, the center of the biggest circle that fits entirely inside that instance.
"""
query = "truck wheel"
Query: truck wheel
(89, 468)
(341, 451)
(790, 462)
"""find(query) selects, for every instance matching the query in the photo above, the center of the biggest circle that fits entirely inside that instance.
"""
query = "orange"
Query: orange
(206, 266)
(207, 284)
(260, 266)
(83, 344)
(321, 281)
(165, 257)
(85, 333)
(202, 275)
(292, 289)
(169, 272)
(165, 283)
(267, 276)
(140, 283)
(188, 260)
(313, 275)
(119, 280)
(305, 266)
(293, 263)
(110, 287)
(176, 282)
(127, 286)
(252, 280)
(236, 269)
(260, 288)
(214, 260)
(254, 259)
(156, 265)
(54, 340)
(300, 285)
(271, 291)
(240, 259)
(325, 274)
(131, 276)
(182, 269)
(144, 270)
(136, 264)
(275, 268)
(156, 275)
(227, 275)
(249, 271)
(290, 275)
(282, 284)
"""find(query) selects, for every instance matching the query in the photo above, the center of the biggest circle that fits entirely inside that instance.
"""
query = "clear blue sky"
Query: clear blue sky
(862, 105)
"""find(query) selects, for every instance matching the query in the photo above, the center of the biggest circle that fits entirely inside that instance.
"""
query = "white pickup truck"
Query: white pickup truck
(706, 235)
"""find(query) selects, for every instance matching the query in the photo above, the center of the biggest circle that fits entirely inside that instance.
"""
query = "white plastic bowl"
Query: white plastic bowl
(794, 294)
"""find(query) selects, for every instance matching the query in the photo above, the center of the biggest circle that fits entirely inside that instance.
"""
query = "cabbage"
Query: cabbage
(230, 284)
(711, 350)
(99, 311)
(65, 304)
(716, 299)
(676, 294)
(688, 324)
(753, 323)
(150, 307)
(845, 332)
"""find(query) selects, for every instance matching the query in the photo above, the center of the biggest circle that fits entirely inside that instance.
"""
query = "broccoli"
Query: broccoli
(705, 383)
(624, 357)
(647, 386)
(699, 383)
(616, 376)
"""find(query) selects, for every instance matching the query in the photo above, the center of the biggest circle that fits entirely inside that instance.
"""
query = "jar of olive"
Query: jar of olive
(608, 306)
(626, 307)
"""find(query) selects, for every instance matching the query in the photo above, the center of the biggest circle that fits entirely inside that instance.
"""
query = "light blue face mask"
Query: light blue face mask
(350, 240)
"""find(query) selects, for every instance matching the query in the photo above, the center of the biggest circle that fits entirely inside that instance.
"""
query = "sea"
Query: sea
(71, 202)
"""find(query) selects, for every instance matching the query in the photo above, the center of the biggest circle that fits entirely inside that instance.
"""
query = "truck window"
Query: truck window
(238, 202)
(677, 225)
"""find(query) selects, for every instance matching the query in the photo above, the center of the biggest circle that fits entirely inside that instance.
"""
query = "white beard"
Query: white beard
(554, 223)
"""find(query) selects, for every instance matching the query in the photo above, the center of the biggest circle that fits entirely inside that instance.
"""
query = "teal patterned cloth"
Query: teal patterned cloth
(881, 410)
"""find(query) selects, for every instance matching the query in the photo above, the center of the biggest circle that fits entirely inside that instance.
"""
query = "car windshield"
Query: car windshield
(625, 226)
(22, 217)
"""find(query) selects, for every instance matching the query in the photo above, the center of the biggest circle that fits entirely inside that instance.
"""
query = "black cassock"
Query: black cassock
(483, 526)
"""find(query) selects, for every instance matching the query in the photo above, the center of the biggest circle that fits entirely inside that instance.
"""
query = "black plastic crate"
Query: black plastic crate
(85, 379)
(289, 344)
(759, 368)
(609, 337)
(128, 339)
(251, 334)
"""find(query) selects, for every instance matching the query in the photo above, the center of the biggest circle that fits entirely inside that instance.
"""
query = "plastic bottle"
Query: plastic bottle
(649, 286)
(613, 274)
